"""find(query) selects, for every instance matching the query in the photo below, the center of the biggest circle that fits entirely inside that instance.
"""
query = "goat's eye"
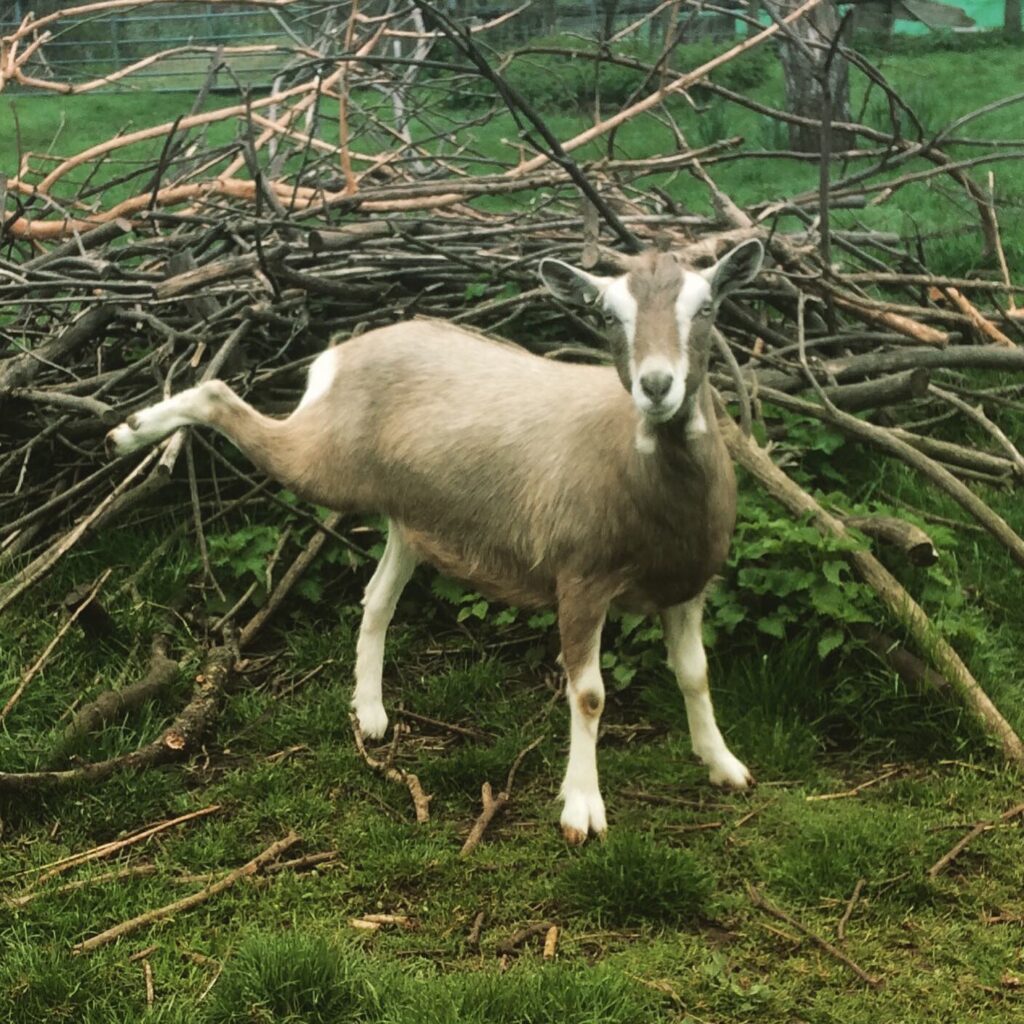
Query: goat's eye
(706, 310)
(607, 318)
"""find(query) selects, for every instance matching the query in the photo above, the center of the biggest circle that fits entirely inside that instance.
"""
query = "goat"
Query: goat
(536, 482)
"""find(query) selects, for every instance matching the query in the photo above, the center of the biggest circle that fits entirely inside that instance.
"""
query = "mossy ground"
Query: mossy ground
(655, 923)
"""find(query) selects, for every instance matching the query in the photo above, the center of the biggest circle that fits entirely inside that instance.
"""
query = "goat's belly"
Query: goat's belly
(654, 596)
(497, 575)
(674, 580)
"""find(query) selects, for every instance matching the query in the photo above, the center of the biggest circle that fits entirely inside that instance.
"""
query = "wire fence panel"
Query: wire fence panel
(189, 36)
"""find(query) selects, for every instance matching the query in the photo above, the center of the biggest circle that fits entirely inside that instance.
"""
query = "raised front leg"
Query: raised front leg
(580, 619)
(379, 601)
(690, 664)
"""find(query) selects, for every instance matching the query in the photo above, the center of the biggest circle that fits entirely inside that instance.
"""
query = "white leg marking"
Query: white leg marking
(155, 422)
(379, 601)
(321, 376)
(584, 808)
(690, 664)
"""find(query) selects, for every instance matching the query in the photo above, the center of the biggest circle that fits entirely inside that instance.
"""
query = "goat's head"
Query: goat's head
(659, 315)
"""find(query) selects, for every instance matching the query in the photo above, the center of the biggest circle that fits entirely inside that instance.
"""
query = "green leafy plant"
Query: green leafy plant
(785, 574)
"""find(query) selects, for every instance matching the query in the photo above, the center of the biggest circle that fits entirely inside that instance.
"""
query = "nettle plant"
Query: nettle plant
(785, 575)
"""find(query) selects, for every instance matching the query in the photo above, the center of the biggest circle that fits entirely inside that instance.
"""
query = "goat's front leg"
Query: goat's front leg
(690, 664)
(379, 602)
(580, 619)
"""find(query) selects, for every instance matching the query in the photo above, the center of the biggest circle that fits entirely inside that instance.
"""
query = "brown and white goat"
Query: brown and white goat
(536, 482)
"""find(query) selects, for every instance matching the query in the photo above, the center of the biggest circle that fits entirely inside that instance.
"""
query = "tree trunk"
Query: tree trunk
(1011, 21)
(803, 67)
(609, 9)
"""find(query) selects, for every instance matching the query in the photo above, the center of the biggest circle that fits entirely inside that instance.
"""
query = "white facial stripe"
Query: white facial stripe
(618, 300)
(695, 293)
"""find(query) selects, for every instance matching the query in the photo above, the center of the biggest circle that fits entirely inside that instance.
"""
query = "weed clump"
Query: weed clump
(632, 878)
(292, 976)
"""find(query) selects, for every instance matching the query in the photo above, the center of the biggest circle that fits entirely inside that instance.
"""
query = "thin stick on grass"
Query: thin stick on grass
(769, 908)
(517, 938)
(982, 826)
(420, 800)
(58, 867)
(473, 936)
(856, 790)
(328, 858)
(31, 673)
(1003, 919)
(270, 854)
(136, 871)
(147, 974)
(460, 730)
(848, 912)
(493, 804)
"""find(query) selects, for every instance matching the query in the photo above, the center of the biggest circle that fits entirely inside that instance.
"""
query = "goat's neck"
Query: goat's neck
(691, 431)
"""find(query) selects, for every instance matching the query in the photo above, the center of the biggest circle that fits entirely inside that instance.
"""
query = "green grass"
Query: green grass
(656, 924)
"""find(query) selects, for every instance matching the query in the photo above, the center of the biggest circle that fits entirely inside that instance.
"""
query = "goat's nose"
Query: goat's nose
(655, 385)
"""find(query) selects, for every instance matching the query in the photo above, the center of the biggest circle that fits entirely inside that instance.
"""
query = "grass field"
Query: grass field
(656, 923)
(861, 783)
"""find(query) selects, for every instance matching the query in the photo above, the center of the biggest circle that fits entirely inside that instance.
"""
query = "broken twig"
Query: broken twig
(762, 904)
(493, 804)
(268, 856)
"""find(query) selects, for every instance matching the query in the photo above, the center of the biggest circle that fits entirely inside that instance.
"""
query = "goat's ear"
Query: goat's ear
(570, 284)
(735, 268)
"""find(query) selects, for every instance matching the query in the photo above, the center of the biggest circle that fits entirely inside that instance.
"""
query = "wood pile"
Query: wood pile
(237, 253)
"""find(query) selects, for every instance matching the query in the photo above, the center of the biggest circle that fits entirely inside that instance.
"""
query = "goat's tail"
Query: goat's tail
(212, 404)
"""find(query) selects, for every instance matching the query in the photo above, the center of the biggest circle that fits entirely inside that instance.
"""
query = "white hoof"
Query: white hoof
(372, 719)
(582, 814)
(124, 439)
(730, 773)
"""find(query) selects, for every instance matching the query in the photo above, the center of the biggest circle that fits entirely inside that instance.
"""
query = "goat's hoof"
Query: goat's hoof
(732, 773)
(121, 440)
(583, 813)
(573, 836)
(373, 720)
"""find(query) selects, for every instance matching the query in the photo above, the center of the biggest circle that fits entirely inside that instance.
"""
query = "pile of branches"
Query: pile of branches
(129, 272)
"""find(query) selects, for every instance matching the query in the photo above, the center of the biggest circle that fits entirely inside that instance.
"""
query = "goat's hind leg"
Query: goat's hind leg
(379, 602)
(198, 405)
(690, 664)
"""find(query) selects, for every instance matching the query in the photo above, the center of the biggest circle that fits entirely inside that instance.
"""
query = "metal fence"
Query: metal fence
(94, 46)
